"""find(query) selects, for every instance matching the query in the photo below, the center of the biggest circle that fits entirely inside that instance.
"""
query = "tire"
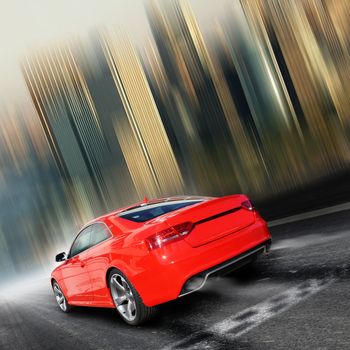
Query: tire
(252, 265)
(252, 269)
(61, 298)
(127, 300)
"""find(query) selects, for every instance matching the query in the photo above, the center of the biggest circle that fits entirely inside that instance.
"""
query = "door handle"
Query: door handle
(82, 263)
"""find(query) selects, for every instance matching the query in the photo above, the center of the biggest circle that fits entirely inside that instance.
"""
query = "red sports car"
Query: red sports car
(155, 251)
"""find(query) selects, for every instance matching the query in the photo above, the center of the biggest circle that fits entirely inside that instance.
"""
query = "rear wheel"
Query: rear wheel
(127, 300)
(60, 298)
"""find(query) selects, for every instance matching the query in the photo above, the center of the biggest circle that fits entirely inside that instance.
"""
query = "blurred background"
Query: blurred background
(105, 102)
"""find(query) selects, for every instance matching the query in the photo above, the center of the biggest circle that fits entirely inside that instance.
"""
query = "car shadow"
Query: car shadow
(177, 312)
(171, 311)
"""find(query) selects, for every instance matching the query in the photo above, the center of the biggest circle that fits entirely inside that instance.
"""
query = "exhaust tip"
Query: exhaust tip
(192, 284)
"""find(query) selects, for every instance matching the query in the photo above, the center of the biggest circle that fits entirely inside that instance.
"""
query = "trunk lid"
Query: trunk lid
(213, 219)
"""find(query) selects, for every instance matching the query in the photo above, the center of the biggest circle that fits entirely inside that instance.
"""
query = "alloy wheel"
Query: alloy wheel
(60, 298)
(123, 297)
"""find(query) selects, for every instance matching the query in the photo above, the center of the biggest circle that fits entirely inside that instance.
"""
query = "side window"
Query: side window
(81, 243)
(99, 233)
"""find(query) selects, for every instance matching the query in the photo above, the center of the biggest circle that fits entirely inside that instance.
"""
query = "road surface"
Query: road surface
(297, 298)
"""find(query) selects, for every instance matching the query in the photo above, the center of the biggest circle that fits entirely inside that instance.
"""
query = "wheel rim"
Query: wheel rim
(60, 298)
(123, 297)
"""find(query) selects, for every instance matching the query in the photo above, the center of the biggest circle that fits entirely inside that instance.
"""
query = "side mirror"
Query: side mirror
(61, 257)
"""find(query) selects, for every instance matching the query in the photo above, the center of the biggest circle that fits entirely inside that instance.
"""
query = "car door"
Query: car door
(98, 262)
(75, 273)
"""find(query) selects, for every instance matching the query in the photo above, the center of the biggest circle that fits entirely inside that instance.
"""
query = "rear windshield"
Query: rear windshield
(151, 211)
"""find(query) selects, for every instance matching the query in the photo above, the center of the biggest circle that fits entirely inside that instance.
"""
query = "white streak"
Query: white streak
(310, 214)
(247, 319)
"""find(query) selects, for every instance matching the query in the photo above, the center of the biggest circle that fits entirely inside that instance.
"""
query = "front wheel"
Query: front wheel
(60, 298)
(127, 300)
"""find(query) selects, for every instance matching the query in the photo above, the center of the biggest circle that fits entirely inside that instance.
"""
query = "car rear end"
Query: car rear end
(196, 241)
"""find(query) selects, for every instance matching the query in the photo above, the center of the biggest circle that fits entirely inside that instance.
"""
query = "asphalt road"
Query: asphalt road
(297, 298)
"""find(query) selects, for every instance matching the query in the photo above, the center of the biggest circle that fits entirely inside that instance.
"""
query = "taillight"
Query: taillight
(247, 205)
(169, 235)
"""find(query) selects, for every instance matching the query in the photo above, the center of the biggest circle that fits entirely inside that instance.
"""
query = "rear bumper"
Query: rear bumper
(165, 272)
(224, 268)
